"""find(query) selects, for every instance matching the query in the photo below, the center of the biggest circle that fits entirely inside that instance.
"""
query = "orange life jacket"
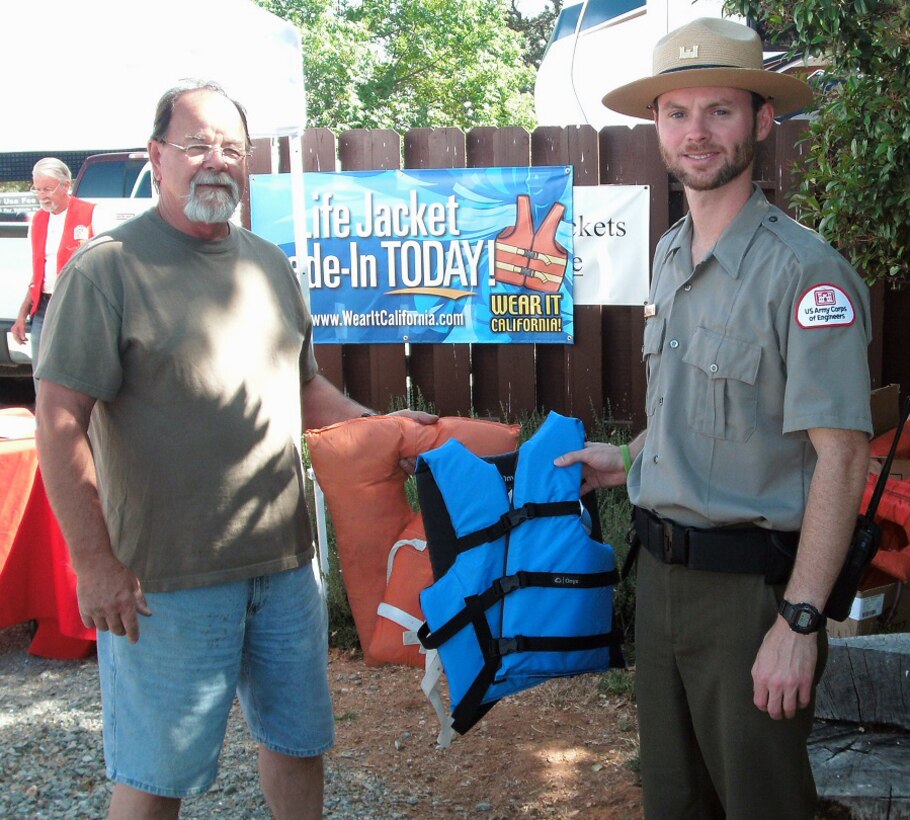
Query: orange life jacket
(529, 258)
(356, 464)
(893, 516)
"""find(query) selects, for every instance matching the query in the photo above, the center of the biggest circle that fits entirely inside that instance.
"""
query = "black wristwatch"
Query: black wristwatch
(803, 618)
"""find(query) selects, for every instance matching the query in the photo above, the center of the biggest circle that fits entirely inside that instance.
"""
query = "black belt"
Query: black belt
(45, 298)
(748, 550)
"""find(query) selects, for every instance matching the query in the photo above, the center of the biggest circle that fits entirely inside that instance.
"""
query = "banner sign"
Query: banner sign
(611, 264)
(429, 256)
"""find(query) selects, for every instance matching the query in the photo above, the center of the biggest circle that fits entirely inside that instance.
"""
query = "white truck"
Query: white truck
(598, 45)
(120, 184)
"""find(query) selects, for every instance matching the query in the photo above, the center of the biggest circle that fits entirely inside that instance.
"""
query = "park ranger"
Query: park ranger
(755, 345)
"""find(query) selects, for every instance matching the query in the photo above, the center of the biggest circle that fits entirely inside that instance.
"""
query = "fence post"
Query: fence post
(374, 374)
(441, 372)
(570, 377)
(319, 150)
(504, 378)
(630, 156)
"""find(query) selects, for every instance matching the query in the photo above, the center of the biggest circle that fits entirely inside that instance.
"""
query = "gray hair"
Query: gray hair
(165, 109)
(53, 167)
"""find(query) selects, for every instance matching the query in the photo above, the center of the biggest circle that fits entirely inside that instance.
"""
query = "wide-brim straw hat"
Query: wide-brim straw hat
(710, 52)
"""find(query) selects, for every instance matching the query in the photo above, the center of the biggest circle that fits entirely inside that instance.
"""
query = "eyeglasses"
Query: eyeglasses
(200, 150)
(44, 191)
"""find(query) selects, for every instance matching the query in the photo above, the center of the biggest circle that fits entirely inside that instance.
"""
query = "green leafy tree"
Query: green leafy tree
(536, 29)
(410, 63)
(855, 175)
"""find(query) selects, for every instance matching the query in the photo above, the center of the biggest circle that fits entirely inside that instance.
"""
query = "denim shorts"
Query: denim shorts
(166, 698)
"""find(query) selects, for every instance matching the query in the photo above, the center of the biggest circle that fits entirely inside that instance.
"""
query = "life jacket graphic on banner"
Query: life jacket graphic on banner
(529, 595)
(529, 258)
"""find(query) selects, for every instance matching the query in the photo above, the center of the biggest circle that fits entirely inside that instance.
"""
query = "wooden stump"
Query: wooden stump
(865, 772)
(867, 680)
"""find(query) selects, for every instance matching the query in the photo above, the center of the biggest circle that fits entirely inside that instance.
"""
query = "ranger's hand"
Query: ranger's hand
(110, 597)
(783, 671)
(602, 465)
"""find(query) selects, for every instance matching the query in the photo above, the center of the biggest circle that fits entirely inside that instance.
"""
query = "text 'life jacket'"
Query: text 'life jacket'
(529, 258)
(529, 595)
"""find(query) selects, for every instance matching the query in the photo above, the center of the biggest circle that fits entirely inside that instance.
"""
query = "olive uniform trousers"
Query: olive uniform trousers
(706, 750)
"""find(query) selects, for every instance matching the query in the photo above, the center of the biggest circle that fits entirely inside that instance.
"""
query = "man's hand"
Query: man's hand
(110, 597)
(18, 330)
(417, 415)
(783, 672)
(410, 464)
(602, 465)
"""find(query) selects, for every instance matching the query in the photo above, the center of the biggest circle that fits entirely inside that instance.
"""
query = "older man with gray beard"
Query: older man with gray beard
(187, 510)
(62, 226)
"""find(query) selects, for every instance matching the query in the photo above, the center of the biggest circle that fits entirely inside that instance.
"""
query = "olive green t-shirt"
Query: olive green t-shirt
(195, 351)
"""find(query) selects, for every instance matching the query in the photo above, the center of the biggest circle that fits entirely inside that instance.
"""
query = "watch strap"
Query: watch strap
(803, 618)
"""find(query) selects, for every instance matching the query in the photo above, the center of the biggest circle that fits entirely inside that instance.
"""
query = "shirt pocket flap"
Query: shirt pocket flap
(723, 357)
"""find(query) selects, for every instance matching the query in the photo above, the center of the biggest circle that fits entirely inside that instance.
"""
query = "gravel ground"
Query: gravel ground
(52, 763)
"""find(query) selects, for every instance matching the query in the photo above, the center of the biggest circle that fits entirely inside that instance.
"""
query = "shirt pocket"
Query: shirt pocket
(723, 403)
(651, 348)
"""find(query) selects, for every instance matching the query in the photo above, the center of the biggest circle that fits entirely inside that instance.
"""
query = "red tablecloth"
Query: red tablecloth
(37, 581)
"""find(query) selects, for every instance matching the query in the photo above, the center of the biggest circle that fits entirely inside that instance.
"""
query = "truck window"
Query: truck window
(145, 187)
(110, 179)
(602, 11)
(566, 23)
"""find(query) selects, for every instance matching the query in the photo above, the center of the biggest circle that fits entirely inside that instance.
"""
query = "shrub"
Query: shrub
(855, 175)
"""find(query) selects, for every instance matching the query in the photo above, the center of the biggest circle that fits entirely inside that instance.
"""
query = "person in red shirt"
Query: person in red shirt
(57, 231)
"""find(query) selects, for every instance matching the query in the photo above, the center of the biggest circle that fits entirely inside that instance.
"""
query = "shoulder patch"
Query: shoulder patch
(824, 305)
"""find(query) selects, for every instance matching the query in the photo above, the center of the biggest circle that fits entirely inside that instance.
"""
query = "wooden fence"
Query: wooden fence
(602, 372)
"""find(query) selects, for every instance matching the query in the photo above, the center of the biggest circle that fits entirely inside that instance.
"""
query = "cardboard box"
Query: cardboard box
(879, 609)
(900, 468)
(885, 404)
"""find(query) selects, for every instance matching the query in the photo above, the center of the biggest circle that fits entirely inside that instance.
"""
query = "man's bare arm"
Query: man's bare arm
(785, 666)
(109, 594)
(18, 328)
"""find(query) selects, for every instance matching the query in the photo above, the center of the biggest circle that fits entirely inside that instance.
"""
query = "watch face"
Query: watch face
(804, 620)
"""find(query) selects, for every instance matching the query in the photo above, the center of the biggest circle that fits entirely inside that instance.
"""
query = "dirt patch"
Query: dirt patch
(566, 748)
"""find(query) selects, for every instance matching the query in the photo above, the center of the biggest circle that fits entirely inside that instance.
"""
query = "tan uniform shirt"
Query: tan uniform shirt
(761, 341)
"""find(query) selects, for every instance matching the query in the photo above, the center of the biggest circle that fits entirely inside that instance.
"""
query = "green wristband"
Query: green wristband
(626, 457)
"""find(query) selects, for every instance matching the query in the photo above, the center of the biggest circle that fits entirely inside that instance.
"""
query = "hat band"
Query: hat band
(691, 67)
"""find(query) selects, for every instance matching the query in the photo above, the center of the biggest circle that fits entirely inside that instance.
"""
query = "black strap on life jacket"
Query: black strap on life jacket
(498, 590)
(514, 517)
(471, 709)
(444, 544)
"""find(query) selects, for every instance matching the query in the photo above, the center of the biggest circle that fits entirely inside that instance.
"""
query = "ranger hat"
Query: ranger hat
(709, 52)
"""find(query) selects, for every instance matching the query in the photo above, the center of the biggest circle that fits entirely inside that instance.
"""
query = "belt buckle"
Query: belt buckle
(668, 542)
(676, 543)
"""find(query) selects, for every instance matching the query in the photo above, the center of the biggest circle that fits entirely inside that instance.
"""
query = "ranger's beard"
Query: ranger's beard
(740, 160)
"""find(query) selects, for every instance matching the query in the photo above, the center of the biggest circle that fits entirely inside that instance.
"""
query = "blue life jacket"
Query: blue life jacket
(529, 595)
